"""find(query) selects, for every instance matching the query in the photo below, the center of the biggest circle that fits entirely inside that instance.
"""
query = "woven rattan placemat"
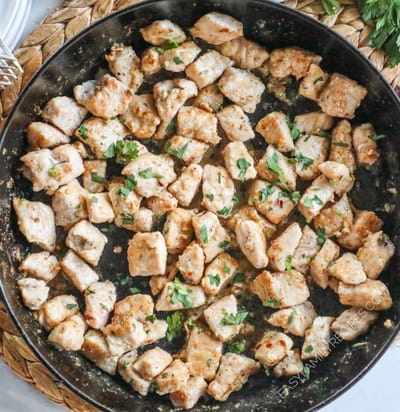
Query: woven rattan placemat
(50, 35)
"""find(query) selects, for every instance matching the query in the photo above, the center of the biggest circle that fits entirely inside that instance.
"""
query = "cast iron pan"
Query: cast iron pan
(272, 26)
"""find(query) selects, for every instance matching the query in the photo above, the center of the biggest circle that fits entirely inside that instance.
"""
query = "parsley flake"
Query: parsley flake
(175, 326)
(177, 60)
(94, 177)
(272, 303)
(148, 174)
(204, 234)
(288, 264)
(273, 165)
(214, 279)
(243, 165)
(236, 347)
(234, 318)
(320, 235)
(299, 158)
(180, 294)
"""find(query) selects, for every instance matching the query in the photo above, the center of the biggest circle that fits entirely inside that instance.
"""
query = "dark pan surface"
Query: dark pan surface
(272, 26)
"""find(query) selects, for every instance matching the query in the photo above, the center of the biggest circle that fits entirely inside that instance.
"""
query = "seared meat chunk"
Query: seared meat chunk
(342, 146)
(313, 122)
(173, 378)
(191, 263)
(152, 362)
(162, 203)
(341, 96)
(178, 230)
(64, 113)
(56, 310)
(187, 149)
(307, 248)
(339, 176)
(316, 341)
(217, 28)
(161, 32)
(69, 334)
(320, 264)
(365, 147)
(150, 61)
(41, 265)
(281, 290)
(125, 369)
(187, 397)
(233, 373)
(187, 185)
(314, 82)
(239, 162)
(41, 135)
(274, 129)
(176, 59)
(242, 87)
(34, 292)
(87, 241)
(273, 348)
(348, 269)
(291, 365)
(218, 273)
(353, 322)
(235, 123)
(105, 97)
(36, 222)
(209, 98)
(147, 254)
(95, 171)
(99, 208)
(100, 298)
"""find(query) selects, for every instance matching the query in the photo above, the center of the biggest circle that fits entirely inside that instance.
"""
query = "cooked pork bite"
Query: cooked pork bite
(41, 135)
(291, 62)
(208, 68)
(147, 254)
(50, 169)
(342, 146)
(69, 334)
(375, 253)
(209, 98)
(187, 397)
(316, 196)
(87, 241)
(176, 59)
(307, 248)
(313, 82)
(191, 263)
(252, 242)
(335, 220)
(178, 230)
(78, 272)
(162, 203)
(95, 348)
(341, 96)
(99, 208)
(125, 66)
(199, 124)
(365, 223)
(152, 173)
(186, 149)
(295, 320)
(348, 269)
(283, 247)
(152, 362)
(41, 265)
(316, 341)
(177, 295)
(273, 348)
(56, 310)
(235, 123)
(105, 97)
(141, 116)
(274, 129)
(353, 322)
(36, 223)
(34, 292)
(217, 28)
(313, 122)
(291, 365)
(218, 317)
(239, 162)
(245, 53)
(173, 378)
(233, 373)
(201, 347)
(170, 95)
(310, 152)
(281, 290)
(218, 273)
(163, 32)
(128, 374)
(100, 298)
(365, 147)
(242, 87)
(143, 220)
(94, 174)
(370, 295)
(64, 113)
(218, 190)
(272, 162)
(339, 176)
(320, 264)
(150, 61)
(270, 201)
(100, 134)
(187, 184)
(139, 306)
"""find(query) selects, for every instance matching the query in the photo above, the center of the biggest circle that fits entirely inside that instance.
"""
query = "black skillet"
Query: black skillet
(273, 26)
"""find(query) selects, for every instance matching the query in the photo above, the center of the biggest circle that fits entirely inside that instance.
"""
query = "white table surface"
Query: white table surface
(377, 391)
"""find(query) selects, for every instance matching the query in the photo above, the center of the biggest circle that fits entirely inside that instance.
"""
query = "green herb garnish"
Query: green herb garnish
(175, 326)
(234, 318)
(180, 294)
(236, 347)
(214, 280)
(320, 235)
(243, 165)
(288, 264)
(204, 234)
(148, 174)
(98, 179)
(272, 303)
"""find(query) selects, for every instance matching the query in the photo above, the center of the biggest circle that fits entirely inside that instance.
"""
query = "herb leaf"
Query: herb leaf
(294, 131)
(236, 347)
(71, 306)
(288, 264)
(224, 244)
(148, 174)
(265, 192)
(127, 218)
(377, 137)
(179, 153)
(320, 235)
(214, 279)
(272, 303)
(175, 326)
(330, 6)
(204, 234)
(180, 294)
(83, 131)
(234, 319)
(122, 151)
(169, 44)
(94, 177)
(239, 277)
(273, 165)
(243, 165)
(177, 60)
(308, 349)
(299, 158)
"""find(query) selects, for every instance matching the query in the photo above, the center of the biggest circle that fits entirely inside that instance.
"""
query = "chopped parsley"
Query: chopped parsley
(288, 264)
(243, 165)
(236, 347)
(52, 171)
(71, 306)
(104, 307)
(175, 326)
(177, 60)
(234, 318)
(129, 184)
(306, 372)
(358, 344)
(204, 234)
(109, 229)
(94, 199)
(340, 144)
(320, 235)
(224, 244)
(338, 213)
(318, 79)
(180, 294)
(308, 349)
(272, 164)
(210, 196)
(219, 177)
(171, 126)
(272, 303)
(308, 201)
(239, 277)
(127, 218)
(265, 192)
(122, 151)
(133, 291)
(377, 137)
(324, 133)
(294, 131)
(292, 315)
(83, 131)
(191, 323)
(179, 153)
(214, 279)
(225, 211)
(148, 174)
(169, 44)
(151, 318)
(299, 158)
(94, 177)
(227, 269)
